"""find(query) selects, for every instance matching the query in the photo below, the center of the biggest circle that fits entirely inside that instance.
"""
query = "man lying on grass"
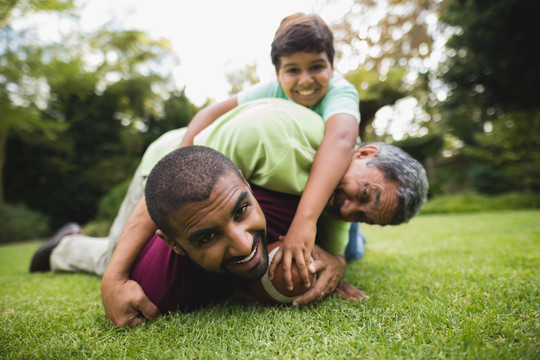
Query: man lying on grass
(273, 142)
(215, 229)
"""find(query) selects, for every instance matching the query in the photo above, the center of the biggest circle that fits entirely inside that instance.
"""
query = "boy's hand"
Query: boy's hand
(297, 245)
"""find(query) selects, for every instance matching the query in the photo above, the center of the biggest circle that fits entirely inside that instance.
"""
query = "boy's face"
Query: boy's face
(305, 76)
(225, 233)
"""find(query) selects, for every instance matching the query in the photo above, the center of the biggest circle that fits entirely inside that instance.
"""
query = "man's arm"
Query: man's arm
(124, 300)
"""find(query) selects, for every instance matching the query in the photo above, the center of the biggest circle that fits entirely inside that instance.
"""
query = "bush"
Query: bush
(98, 228)
(475, 202)
(108, 207)
(20, 223)
(110, 203)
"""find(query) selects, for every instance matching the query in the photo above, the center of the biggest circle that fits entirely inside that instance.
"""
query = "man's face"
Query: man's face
(305, 76)
(226, 232)
(363, 195)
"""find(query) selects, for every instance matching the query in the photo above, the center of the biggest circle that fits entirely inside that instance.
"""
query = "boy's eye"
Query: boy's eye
(292, 70)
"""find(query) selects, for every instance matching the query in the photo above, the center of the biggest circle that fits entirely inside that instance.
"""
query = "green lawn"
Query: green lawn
(461, 286)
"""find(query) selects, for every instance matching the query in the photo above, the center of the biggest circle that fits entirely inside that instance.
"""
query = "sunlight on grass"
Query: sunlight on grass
(462, 286)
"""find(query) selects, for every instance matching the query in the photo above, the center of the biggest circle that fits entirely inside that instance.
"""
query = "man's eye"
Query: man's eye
(207, 239)
(365, 194)
(241, 211)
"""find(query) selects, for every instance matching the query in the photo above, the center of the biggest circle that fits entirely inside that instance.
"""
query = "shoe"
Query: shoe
(41, 260)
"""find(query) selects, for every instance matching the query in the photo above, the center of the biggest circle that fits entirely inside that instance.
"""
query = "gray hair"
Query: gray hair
(399, 167)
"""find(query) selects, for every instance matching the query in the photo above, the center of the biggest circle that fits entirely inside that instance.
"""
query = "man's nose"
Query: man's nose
(349, 209)
(240, 242)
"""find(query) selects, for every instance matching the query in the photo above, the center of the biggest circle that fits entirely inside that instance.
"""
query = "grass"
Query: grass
(461, 286)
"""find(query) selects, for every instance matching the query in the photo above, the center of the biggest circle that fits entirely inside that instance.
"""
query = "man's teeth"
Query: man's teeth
(246, 259)
(306, 92)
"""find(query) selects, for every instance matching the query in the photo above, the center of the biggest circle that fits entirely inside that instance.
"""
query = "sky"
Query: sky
(209, 37)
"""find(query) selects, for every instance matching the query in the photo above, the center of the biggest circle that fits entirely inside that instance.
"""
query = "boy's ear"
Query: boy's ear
(171, 242)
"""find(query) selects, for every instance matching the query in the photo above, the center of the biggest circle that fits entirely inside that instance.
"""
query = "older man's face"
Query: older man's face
(363, 195)
(226, 232)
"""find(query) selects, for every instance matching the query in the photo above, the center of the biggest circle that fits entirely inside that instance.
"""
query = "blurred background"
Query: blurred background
(87, 85)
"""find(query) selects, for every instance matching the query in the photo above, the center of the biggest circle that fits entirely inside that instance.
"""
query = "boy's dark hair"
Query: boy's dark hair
(301, 32)
(184, 176)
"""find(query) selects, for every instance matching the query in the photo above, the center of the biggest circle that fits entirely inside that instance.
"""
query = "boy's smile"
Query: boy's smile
(305, 76)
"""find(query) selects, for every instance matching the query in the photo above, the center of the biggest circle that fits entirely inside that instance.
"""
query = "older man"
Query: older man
(273, 142)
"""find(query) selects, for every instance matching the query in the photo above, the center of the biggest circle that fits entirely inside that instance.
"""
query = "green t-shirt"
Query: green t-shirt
(341, 98)
(273, 142)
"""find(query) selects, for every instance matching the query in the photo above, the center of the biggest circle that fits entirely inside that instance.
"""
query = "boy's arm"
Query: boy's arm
(331, 161)
(124, 300)
(205, 117)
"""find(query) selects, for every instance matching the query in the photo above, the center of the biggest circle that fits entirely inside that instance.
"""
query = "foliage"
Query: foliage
(466, 203)
(20, 223)
(494, 61)
(492, 68)
(422, 147)
(384, 34)
(238, 79)
(110, 203)
(461, 286)
(512, 147)
(375, 93)
(491, 77)
(101, 103)
(23, 7)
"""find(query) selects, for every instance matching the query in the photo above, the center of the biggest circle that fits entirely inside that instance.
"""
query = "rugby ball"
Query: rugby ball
(275, 291)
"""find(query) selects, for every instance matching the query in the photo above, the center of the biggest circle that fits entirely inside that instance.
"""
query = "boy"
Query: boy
(303, 54)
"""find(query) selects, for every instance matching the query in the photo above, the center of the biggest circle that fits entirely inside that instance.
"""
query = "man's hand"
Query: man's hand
(330, 269)
(126, 304)
(297, 245)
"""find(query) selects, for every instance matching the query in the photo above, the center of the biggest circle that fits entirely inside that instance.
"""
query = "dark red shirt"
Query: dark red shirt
(174, 282)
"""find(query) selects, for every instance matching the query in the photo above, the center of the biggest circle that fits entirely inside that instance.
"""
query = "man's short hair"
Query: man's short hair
(182, 177)
(301, 32)
(399, 167)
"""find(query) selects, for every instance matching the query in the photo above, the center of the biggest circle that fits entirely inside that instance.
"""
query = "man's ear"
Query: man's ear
(247, 184)
(170, 242)
(365, 151)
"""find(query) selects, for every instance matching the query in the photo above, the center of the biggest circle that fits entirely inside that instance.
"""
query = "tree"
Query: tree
(494, 58)
(375, 94)
(24, 7)
(383, 34)
(102, 91)
(389, 42)
(22, 93)
(492, 75)
(239, 78)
